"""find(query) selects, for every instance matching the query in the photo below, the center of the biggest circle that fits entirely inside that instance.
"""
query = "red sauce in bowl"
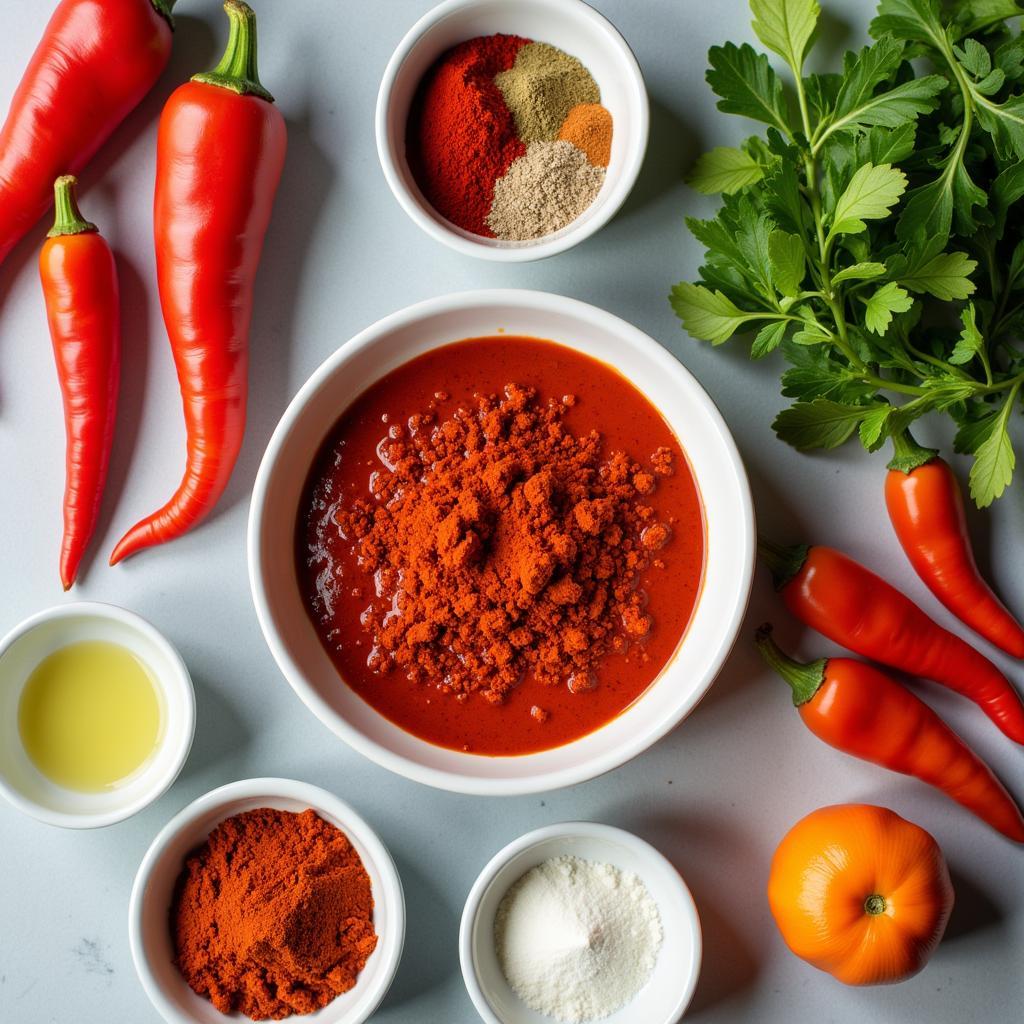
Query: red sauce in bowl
(351, 612)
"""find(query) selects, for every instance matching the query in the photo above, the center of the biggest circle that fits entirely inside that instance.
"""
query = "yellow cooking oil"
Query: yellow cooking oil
(90, 716)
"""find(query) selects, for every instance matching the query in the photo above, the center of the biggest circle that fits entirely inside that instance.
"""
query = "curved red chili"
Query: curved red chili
(96, 61)
(927, 512)
(80, 286)
(849, 604)
(220, 154)
(861, 711)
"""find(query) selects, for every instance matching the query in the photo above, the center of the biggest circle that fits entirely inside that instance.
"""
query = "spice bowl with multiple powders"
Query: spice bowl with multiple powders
(159, 884)
(97, 715)
(576, 30)
(619, 929)
(347, 699)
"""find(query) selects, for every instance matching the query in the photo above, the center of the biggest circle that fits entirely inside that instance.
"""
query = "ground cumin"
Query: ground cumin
(588, 126)
(501, 544)
(272, 915)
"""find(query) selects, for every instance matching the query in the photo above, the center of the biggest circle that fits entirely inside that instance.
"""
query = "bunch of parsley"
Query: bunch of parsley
(872, 233)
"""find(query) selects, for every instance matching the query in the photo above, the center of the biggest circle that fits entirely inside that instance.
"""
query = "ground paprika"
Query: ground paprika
(461, 135)
(273, 915)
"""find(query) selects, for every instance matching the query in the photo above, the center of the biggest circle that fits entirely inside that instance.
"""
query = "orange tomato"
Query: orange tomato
(861, 893)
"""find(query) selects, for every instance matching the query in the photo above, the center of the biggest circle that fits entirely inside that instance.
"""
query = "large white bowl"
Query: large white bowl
(22, 650)
(730, 541)
(668, 991)
(572, 26)
(149, 933)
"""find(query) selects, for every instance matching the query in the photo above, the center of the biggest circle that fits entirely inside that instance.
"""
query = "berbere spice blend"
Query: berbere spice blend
(507, 138)
(273, 915)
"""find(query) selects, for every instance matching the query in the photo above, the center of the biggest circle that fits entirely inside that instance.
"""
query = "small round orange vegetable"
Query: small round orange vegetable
(861, 893)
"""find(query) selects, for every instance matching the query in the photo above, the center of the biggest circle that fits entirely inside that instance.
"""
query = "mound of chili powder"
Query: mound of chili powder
(273, 915)
(503, 545)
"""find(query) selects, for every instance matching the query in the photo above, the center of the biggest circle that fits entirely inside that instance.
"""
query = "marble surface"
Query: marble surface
(716, 796)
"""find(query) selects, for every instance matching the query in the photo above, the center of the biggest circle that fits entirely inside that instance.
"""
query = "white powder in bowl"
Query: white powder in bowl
(577, 940)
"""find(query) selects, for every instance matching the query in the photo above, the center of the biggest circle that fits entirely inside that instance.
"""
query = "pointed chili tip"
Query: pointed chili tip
(68, 219)
(238, 69)
(908, 455)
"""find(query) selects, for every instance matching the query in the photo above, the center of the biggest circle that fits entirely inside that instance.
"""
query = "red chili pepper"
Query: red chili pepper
(80, 287)
(96, 61)
(861, 711)
(927, 513)
(849, 604)
(220, 154)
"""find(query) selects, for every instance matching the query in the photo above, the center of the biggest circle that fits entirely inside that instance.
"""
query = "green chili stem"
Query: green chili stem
(68, 219)
(237, 69)
(803, 680)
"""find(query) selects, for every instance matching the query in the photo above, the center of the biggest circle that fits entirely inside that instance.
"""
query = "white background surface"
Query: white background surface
(716, 796)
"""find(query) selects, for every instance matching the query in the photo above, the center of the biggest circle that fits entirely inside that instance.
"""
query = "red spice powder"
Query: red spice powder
(500, 544)
(461, 137)
(273, 915)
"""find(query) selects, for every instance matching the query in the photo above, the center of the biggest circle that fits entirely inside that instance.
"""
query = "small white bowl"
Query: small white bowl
(663, 1000)
(48, 631)
(572, 26)
(149, 933)
(704, 437)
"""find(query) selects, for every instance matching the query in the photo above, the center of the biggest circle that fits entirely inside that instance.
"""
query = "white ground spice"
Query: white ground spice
(577, 940)
(543, 191)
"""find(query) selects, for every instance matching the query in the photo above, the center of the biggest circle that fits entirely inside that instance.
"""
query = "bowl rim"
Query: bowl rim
(315, 797)
(554, 304)
(179, 680)
(572, 830)
(541, 248)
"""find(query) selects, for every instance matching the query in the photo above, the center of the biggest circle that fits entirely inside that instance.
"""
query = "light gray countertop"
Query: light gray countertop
(716, 796)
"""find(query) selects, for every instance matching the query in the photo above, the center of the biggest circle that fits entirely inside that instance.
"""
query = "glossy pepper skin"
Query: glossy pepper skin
(96, 61)
(849, 604)
(861, 893)
(926, 508)
(220, 153)
(861, 711)
(80, 287)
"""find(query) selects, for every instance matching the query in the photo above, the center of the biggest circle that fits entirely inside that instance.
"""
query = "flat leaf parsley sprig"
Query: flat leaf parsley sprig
(872, 232)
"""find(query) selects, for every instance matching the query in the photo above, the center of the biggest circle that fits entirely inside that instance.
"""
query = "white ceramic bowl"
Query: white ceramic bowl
(570, 25)
(730, 540)
(48, 631)
(664, 998)
(149, 935)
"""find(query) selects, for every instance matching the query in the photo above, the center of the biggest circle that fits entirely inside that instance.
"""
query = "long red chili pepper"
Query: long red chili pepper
(220, 153)
(96, 61)
(861, 711)
(927, 513)
(849, 604)
(80, 287)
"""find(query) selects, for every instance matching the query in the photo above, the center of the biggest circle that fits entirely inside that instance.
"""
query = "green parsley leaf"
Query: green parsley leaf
(970, 342)
(859, 272)
(709, 315)
(818, 424)
(788, 261)
(913, 20)
(768, 339)
(724, 169)
(947, 275)
(975, 15)
(872, 192)
(872, 428)
(974, 57)
(994, 460)
(889, 299)
(1004, 122)
(746, 84)
(928, 213)
(786, 27)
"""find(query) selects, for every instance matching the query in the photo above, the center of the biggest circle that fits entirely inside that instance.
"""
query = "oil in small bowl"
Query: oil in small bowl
(90, 716)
